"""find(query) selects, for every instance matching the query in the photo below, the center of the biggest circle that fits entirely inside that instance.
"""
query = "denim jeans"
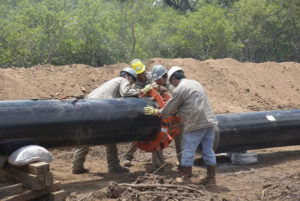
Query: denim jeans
(192, 140)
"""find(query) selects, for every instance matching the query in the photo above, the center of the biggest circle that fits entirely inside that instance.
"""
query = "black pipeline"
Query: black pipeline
(242, 131)
(56, 123)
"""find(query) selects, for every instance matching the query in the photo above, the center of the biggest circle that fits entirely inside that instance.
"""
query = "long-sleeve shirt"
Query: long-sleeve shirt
(114, 88)
(193, 106)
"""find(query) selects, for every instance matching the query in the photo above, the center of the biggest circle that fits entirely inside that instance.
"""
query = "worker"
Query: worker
(143, 77)
(114, 88)
(160, 78)
(143, 81)
(198, 121)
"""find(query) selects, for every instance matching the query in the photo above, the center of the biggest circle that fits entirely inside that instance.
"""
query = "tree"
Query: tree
(183, 5)
(267, 30)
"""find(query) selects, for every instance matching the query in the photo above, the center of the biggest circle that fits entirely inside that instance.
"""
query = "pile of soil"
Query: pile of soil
(231, 87)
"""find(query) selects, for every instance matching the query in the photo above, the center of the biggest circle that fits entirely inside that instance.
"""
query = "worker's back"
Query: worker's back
(114, 88)
(195, 110)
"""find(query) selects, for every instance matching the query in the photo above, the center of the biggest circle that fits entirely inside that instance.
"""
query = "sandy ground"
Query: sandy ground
(231, 87)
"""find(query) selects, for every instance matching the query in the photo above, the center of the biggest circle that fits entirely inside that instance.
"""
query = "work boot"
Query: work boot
(187, 171)
(210, 178)
(113, 161)
(80, 171)
(179, 168)
(187, 174)
(79, 159)
(129, 154)
(117, 169)
(127, 163)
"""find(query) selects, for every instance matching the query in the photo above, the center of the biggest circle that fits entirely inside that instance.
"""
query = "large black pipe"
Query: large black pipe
(101, 121)
(74, 122)
(242, 131)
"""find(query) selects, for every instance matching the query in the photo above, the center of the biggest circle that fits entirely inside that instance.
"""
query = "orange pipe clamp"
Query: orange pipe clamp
(170, 126)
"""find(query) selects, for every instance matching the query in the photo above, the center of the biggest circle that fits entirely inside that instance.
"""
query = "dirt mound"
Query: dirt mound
(231, 86)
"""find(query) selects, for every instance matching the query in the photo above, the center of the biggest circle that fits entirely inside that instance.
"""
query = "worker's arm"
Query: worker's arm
(125, 89)
(172, 104)
(146, 89)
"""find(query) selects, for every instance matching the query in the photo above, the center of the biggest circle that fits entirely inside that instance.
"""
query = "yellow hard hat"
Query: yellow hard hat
(138, 66)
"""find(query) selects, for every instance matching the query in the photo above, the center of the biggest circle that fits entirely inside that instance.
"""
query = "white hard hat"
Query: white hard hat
(158, 71)
(130, 71)
(173, 70)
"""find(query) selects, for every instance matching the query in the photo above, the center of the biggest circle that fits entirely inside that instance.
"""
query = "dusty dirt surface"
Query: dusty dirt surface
(231, 87)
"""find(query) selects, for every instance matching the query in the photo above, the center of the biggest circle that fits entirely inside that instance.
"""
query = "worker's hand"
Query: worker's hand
(149, 110)
(146, 89)
(162, 89)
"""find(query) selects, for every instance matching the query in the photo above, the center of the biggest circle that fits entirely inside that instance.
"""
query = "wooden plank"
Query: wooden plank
(32, 168)
(38, 168)
(35, 182)
(10, 190)
(31, 194)
(5, 176)
(48, 179)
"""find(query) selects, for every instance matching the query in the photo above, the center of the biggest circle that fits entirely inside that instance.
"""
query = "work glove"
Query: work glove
(149, 110)
(146, 89)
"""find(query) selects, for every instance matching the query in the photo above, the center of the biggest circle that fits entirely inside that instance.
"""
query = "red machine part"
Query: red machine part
(170, 126)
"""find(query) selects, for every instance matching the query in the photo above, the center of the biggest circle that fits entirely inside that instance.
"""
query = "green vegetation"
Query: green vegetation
(98, 32)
